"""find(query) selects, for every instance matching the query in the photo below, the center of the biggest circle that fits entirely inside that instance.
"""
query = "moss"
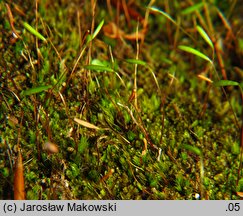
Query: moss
(137, 152)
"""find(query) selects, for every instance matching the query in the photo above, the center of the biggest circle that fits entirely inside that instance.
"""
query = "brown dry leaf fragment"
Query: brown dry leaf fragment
(113, 31)
(19, 190)
(204, 78)
(135, 36)
(86, 124)
(240, 194)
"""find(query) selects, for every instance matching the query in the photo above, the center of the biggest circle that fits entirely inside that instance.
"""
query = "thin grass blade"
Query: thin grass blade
(192, 8)
(136, 61)
(171, 19)
(86, 124)
(222, 83)
(205, 36)
(97, 30)
(163, 13)
(192, 149)
(195, 52)
(99, 68)
(35, 90)
(33, 31)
